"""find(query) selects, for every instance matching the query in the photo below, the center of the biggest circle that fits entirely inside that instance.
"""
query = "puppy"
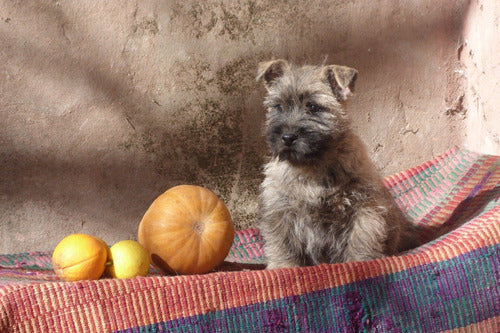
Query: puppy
(322, 200)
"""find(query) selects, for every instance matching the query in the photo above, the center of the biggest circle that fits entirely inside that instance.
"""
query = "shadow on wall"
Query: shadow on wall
(190, 117)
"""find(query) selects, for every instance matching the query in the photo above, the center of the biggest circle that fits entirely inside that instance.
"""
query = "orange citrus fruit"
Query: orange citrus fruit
(108, 252)
(80, 257)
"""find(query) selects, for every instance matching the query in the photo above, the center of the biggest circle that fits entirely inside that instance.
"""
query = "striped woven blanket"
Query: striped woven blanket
(452, 283)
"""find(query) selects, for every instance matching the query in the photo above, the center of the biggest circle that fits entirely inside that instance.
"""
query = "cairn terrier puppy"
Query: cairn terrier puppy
(322, 200)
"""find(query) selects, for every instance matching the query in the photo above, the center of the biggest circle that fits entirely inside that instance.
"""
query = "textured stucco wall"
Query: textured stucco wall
(480, 57)
(104, 105)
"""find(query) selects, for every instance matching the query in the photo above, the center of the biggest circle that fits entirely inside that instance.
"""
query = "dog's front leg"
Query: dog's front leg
(282, 248)
(368, 236)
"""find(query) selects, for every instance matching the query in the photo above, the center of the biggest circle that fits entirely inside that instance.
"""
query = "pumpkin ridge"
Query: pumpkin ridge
(211, 203)
(182, 204)
(190, 246)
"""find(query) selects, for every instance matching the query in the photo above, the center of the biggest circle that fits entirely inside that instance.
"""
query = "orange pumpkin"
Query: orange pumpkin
(187, 230)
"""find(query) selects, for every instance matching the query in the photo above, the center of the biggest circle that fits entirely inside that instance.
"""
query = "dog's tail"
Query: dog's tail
(409, 236)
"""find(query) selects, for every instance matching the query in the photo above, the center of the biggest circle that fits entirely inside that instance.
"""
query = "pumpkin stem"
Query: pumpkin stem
(198, 227)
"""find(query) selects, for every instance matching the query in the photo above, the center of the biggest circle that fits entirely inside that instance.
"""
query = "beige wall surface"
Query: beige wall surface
(481, 58)
(104, 105)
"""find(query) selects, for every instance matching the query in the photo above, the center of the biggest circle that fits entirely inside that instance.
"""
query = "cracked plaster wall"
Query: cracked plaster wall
(105, 105)
(481, 46)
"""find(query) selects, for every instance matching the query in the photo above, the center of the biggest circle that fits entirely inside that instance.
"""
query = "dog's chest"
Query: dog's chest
(286, 182)
(314, 213)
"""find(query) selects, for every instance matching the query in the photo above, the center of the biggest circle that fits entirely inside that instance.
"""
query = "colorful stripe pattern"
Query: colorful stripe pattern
(452, 283)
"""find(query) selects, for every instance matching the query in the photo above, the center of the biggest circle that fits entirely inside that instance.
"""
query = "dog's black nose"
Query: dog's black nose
(288, 139)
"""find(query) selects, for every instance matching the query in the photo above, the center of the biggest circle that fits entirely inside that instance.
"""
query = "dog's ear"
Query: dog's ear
(341, 80)
(271, 70)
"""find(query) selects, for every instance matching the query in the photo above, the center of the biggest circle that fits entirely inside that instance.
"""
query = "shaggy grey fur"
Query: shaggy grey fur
(322, 200)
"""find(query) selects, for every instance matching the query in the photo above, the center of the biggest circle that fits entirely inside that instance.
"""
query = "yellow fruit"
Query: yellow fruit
(129, 259)
(108, 254)
(79, 257)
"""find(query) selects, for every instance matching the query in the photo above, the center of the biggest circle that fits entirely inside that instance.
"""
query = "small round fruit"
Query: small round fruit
(187, 230)
(108, 252)
(79, 257)
(128, 260)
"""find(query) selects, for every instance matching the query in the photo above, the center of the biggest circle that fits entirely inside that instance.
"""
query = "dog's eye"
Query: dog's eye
(278, 107)
(313, 107)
